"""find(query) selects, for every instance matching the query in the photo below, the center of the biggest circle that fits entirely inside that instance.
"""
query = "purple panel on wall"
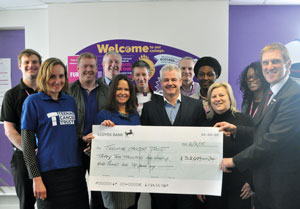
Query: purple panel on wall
(253, 27)
(11, 43)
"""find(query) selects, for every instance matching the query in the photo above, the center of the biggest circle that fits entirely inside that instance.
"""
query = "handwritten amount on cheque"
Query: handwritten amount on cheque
(150, 157)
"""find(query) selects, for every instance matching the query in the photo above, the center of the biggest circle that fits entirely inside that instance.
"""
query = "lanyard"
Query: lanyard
(192, 90)
(27, 92)
(251, 108)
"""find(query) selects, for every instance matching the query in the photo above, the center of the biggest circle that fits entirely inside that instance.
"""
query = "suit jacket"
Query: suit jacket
(190, 113)
(275, 153)
(101, 80)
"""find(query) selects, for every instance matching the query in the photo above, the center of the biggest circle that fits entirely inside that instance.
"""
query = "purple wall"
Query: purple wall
(11, 43)
(253, 27)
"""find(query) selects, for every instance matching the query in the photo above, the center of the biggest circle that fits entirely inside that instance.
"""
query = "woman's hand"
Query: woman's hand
(108, 123)
(246, 191)
(201, 197)
(226, 127)
(39, 189)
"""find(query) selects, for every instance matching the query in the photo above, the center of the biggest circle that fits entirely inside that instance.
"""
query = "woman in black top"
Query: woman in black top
(236, 185)
(253, 86)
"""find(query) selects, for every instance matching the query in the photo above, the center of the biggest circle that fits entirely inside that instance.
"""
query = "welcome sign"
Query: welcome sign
(156, 55)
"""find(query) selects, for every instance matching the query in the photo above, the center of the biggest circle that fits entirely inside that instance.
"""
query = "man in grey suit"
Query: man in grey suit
(274, 156)
(172, 109)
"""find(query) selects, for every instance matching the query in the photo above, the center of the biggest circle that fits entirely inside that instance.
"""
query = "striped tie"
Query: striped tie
(267, 99)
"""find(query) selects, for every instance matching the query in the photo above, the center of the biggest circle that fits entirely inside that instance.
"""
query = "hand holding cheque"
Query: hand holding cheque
(150, 159)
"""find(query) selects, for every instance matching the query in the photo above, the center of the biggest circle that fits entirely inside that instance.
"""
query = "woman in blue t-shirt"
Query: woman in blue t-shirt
(121, 109)
(48, 123)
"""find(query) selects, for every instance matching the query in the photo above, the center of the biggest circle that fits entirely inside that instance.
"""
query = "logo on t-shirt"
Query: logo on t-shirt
(65, 117)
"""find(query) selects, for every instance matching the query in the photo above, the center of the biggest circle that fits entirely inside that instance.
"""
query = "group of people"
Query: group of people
(50, 127)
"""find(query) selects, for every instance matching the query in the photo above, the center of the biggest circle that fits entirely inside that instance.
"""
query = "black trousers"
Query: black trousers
(23, 184)
(228, 200)
(96, 197)
(96, 200)
(137, 197)
(173, 201)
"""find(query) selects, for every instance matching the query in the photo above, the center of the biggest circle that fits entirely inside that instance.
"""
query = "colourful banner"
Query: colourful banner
(156, 55)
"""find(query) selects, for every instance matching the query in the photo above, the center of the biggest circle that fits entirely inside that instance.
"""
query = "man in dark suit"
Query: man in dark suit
(172, 109)
(274, 156)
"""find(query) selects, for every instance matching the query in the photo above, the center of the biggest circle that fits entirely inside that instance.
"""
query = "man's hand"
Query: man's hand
(225, 164)
(201, 198)
(226, 127)
(87, 150)
(12, 134)
(88, 138)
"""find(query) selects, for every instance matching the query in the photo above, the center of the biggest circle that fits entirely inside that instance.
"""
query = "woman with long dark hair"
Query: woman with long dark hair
(253, 86)
(121, 109)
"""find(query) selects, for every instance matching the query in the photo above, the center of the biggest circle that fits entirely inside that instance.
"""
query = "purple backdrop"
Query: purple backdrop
(11, 42)
(156, 55)
(253, 27)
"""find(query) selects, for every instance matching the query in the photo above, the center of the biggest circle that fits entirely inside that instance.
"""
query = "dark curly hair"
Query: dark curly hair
(247, 93)
(111, 102)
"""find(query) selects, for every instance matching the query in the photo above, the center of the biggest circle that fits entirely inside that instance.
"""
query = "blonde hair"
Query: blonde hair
(229, 92)
(45, 73)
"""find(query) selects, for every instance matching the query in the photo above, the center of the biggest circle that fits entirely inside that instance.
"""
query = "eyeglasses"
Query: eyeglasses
(252, 78)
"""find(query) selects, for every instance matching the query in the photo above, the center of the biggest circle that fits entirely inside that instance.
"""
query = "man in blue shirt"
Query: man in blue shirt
(90, 96)
(112, 65)
(172, 109)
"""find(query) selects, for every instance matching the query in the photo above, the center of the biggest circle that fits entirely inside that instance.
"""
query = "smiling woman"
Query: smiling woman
(252, 85)
(236, 191)
(49, 124)
(121, 109)
(56, 81)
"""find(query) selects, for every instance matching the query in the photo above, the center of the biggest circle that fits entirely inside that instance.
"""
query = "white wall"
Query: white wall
(198, 27)
(35, 23)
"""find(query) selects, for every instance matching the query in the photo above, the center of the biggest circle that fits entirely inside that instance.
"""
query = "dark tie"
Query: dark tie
(267, 99)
